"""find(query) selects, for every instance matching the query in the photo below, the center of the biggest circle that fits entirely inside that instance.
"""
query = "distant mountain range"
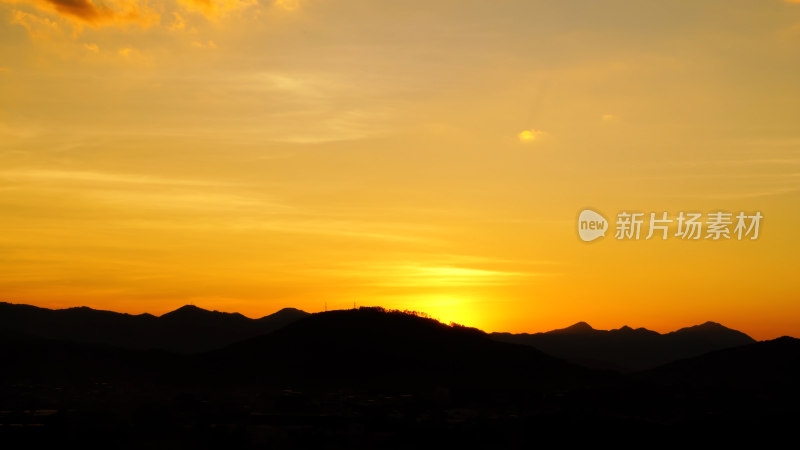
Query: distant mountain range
(628, 349)
(188, 329)
(376, 378)
(353, 348)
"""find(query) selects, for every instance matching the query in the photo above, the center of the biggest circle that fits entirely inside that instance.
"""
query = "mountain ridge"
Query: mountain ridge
(628, 349)
(376, 371)
(192, 329)
(188, 329)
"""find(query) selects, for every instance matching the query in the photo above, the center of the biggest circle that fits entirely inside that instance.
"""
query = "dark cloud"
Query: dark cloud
(82, 9)
(98, 12)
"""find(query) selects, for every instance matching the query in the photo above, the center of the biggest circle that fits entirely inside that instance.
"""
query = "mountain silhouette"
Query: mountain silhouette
(36, 361)
(188, 329)
(372, 378)
(626, 348)
(770, 365)
(348, 348)
(372, 346)
(578, 328)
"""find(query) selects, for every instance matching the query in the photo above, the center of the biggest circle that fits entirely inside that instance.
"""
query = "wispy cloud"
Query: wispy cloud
(452, 271)
(287, 5)
(410, 275)
(221, 205)
(44, 175)
(205, 45)
(214, 9)
(37, 27)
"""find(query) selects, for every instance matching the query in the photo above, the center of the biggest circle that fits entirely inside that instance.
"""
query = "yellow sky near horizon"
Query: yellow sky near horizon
(247, 156)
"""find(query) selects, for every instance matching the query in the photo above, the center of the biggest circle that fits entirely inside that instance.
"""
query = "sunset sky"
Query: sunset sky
(246, 155)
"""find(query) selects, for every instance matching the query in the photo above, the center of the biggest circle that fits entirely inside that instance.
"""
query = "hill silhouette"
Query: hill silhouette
(626, 348)
(191, 329)
(348, 348)
(770, 365)
(372, 378)
(35, 361)
(372, 346)
(188, 329)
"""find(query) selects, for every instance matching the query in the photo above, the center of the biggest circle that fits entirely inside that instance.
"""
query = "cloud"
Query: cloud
(127, 51)
(53, 175)
(214, 9)
(38, 27)
(209, 44)
(133, 55)
(115, 13)
(287, 5)
(92, 47)
(420, 275)
(609, 117)
(97, 13)
(82, 9)
(178, 23)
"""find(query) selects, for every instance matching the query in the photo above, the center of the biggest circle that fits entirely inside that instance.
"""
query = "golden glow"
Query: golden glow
(448, 309)
(529, 135)
(248, 156)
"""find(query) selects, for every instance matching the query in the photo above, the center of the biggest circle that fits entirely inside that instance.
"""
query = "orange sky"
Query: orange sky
(247, 156)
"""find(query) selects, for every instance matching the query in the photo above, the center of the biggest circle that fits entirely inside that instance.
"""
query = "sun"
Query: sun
(446, 309)
(530, 135)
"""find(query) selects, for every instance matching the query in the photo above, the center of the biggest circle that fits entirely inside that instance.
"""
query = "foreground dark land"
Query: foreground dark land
(375, 379)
